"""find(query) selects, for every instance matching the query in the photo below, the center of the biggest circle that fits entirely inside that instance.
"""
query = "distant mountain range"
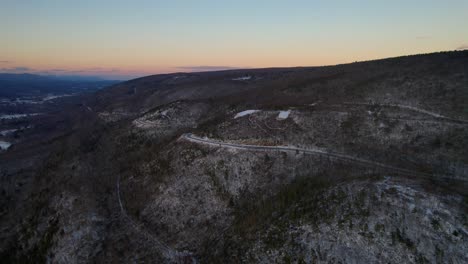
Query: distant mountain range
(25, 84)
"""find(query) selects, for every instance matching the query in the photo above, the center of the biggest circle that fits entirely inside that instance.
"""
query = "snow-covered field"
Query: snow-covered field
(245, 113)
(4, 145)
(283, 114)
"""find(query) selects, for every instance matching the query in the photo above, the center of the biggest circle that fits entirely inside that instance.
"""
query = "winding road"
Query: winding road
(412, 108)
(186, 257)
(337, 156)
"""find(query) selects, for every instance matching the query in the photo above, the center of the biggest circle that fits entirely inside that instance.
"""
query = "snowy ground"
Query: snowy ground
(33, 100)
(283, 114)
(20, 101)
(52, 97)
(7, 132)
(245, 113)
(243, 78)
(15, 116)
(4, 145)
(416, 109)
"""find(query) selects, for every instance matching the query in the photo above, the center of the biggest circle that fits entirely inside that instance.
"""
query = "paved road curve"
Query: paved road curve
(343, 157)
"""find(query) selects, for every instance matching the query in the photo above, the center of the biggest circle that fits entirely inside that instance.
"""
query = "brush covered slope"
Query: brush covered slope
(357, 163)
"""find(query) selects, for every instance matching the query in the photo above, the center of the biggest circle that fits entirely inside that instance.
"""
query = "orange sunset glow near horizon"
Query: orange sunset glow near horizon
(123, 39)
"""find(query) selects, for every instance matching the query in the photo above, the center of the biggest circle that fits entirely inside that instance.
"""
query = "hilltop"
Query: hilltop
(364, 162)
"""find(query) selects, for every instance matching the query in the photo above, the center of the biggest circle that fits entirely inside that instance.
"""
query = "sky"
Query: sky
(127, 39)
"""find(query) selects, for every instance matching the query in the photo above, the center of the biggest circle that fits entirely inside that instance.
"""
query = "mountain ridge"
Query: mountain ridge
(118, 181)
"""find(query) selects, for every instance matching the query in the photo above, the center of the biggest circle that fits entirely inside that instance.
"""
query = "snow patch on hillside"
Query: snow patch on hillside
(4, 145)
(283, 115)
(245, 113)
